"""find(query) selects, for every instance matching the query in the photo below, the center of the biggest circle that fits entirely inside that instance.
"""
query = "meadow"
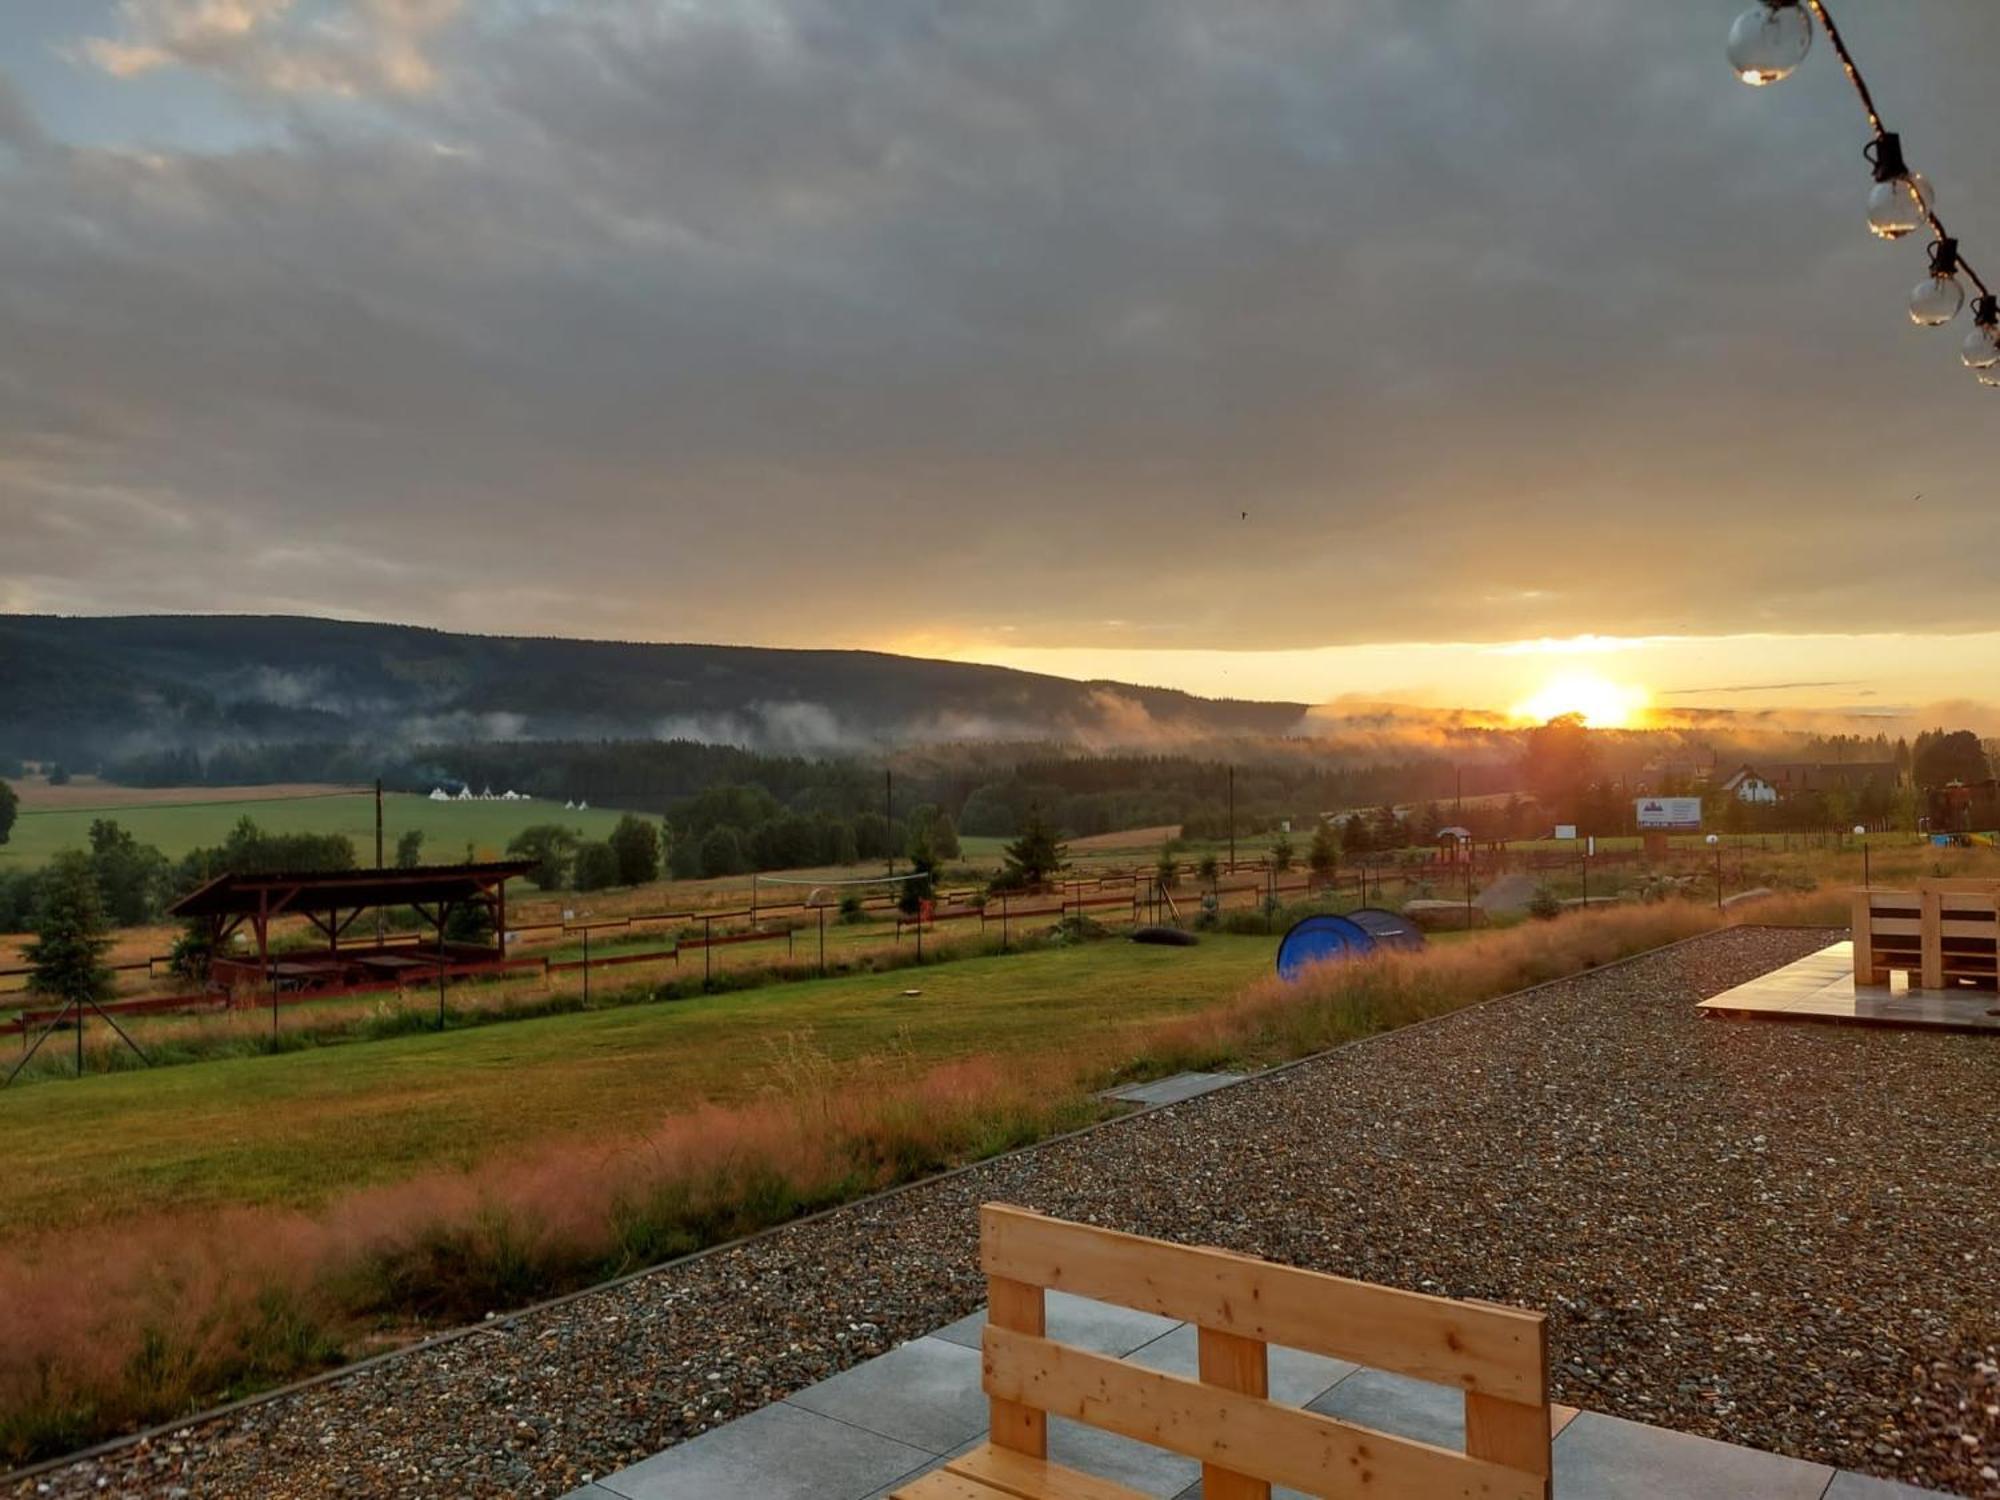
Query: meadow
(168, 1238)
(46, 827)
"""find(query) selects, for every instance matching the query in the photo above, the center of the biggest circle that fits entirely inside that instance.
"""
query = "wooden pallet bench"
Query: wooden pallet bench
(1941, 933)
(1245, 1442)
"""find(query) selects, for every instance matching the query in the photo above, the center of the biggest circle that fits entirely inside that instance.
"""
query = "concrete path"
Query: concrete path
(866, 1430)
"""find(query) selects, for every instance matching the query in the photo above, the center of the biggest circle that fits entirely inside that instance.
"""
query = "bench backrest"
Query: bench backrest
(1943, 929)
(1497, 1355)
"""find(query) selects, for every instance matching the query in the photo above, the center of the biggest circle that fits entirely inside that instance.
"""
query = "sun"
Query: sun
(1602, 704)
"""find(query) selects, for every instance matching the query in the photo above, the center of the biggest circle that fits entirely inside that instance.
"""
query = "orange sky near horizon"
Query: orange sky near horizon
(1614, 681)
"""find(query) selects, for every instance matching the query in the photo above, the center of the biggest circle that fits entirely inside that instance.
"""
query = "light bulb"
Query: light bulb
(1938, 298)
(1769, 40)
(1981, 349)
(1901, 200)
(1899, 206)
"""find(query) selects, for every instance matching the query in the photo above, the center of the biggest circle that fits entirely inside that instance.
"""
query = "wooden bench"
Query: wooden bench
(1942, 933)
(1245, 1442)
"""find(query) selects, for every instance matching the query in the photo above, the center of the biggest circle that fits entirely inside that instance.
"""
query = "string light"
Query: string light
(1981, 349)
(1769, 40)
(1939, 297)
(1766, 44)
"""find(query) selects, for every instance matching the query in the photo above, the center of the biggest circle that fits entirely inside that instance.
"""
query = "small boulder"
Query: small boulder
(1442, 916)
(1507, 896)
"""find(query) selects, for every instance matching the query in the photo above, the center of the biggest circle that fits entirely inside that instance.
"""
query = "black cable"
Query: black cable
(1853, 70)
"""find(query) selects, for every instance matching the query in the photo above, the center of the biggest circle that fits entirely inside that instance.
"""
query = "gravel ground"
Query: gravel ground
(1780, 1235)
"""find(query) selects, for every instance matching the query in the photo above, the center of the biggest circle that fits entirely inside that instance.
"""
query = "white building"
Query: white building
(1745, 785)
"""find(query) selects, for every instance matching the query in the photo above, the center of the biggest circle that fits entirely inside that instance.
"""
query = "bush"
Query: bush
(636, 843)
(1543, 905)
(595, 867)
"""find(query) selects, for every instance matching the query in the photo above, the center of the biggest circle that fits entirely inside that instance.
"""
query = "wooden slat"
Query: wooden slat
(1484, 1348)
(1286, 1445)
(1233, 1363)
(1019, 1307)
(1973, 901)
(1010, 1473)
(942, 1484)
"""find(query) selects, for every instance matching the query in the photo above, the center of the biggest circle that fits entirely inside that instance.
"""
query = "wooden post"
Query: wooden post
(1234, 1363)
(1931, 936)
(1864, 939)
(1514, 1433)
(1510, 1433)
(1019, 1306)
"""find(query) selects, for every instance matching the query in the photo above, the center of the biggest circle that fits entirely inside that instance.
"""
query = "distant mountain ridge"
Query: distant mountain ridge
(88, 688)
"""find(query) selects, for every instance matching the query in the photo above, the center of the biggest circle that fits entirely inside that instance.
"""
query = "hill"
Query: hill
(90, 689)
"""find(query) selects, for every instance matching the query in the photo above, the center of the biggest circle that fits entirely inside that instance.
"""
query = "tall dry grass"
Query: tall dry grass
(118, 1325)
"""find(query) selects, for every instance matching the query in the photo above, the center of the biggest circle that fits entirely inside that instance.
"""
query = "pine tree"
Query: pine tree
(1037, 854)
(1323, 856)
(1281, 853)
(71, 934)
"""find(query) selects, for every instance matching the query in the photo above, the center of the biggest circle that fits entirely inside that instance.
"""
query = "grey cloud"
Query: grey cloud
(819, 323)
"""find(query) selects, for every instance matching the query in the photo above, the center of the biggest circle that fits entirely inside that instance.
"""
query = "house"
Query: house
(1793, 778)
(1745, 785)
(1783, 782)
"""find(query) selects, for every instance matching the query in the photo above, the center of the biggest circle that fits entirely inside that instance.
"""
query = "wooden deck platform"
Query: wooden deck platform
(1821, 987)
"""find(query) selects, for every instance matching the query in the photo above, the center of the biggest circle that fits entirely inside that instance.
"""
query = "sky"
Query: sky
(1429, 351)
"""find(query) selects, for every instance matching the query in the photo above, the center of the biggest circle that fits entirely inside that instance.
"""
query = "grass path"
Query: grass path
(296, 1128)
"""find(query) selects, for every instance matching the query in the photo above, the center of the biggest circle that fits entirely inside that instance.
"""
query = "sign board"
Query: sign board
(1669, 812)
(1565, 830)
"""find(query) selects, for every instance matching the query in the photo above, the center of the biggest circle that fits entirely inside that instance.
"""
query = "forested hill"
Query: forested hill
(93, 689)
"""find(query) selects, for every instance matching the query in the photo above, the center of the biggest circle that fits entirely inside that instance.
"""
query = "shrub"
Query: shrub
(595, 867)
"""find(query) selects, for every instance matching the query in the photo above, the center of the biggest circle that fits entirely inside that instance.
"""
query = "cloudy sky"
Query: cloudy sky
(1266, 347)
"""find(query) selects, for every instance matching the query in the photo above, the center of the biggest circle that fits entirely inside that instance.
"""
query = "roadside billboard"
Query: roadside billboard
(1669, 812)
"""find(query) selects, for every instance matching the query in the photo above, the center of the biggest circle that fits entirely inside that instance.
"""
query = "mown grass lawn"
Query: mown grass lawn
(174, 828)
(296, 1128)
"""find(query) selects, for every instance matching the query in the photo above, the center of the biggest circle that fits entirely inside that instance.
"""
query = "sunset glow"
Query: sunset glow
(1602, 703)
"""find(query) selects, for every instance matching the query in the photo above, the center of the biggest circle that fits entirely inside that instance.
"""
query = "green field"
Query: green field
(297, 1127)
(175, 828)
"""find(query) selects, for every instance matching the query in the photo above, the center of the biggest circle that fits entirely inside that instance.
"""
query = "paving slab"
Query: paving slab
(1109, 1456)
(1173, 1090)
(1608, 1458)
(925, 1393)
(1097, 1326)
(1296, 1377)
(1821, 987)
(778, 1452)
(861, 1434)
(1396, 1403)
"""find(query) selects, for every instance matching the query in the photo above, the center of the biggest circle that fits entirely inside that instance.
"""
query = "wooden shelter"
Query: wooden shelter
(332, 901)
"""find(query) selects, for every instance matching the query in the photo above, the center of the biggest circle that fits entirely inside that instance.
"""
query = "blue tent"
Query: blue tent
(1318, 939)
